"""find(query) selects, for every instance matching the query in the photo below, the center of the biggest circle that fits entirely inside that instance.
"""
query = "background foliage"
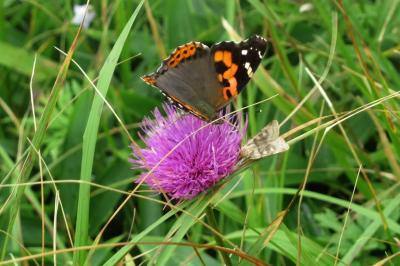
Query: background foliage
(348, 212)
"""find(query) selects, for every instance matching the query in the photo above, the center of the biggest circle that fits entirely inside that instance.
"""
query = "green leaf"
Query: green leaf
(21, 60)
(90, 136)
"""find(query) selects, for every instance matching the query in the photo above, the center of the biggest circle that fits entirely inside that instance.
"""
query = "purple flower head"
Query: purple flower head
(188, 156)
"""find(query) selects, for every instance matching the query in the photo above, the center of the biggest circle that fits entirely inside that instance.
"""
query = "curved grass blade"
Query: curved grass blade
(89, 139)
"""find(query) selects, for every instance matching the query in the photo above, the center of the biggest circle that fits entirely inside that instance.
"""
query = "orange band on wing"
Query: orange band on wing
(224, 56)
(230, 72)
(218, 56)
(181, 53)
(149, 80)
(189, 108)
(192, 49)
(227, 58)
(230, 91)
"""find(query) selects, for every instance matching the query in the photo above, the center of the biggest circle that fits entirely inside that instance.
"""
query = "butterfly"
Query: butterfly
(202, 80)
(267, 142)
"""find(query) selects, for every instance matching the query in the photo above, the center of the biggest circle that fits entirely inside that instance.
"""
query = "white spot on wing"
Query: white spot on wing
(250, 72)
(260, 55)
(249, 69)
(244, 52)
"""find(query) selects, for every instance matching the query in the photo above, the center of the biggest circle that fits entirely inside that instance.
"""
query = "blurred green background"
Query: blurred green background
(352, 46)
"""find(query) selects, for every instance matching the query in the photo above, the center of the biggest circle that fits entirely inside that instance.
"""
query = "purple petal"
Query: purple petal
(191, 158)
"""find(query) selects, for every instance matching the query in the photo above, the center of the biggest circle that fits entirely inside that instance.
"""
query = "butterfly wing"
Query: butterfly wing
(266, 142)
(203, 80)
(235, 64)
(185, 76)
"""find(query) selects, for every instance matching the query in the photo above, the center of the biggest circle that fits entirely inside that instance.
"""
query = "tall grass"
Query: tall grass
(67, 191)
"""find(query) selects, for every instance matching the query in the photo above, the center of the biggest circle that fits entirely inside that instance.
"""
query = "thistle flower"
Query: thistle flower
(187, 155)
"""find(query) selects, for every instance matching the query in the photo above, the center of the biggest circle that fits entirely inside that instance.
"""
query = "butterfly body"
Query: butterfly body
(202, 79)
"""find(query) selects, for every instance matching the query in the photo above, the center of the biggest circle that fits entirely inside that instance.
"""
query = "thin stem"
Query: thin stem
(218, 239)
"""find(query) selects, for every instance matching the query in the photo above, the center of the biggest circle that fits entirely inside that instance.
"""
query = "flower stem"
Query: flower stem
(218, 239)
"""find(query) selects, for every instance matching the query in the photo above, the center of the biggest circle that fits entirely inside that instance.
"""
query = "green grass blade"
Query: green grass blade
(181, 226)
(90, 136)
(123, 251)
(45, 67)
(354, 251)
(37, 140)
(367, 212)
